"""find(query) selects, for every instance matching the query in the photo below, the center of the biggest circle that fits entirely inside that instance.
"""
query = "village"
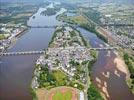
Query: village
(9, 34)
(119, 22)
(70, 57)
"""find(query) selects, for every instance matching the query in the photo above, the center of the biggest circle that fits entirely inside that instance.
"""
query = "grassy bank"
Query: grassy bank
(93, 93)
(33, 94)
(129, 60)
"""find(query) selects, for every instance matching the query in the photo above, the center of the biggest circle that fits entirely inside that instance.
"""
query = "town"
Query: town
(119, 22)
(10, 35)
(68, 54)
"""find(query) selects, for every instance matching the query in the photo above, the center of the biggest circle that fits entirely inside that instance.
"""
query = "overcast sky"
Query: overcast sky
(103, 1)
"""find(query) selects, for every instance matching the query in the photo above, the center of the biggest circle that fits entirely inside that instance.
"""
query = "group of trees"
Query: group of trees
(84, 41)
(129, 60)
(45, 78)
(49, 79)
(76, 85)
(94, 15)
(73, 34)
(130, 63)
(93, 93)
(50, 11)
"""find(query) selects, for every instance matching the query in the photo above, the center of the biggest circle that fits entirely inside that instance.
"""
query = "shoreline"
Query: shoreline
(15, 38)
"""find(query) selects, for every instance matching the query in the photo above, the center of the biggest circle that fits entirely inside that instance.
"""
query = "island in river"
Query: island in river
(64, 68)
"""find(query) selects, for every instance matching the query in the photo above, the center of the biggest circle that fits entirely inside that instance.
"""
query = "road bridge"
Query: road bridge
(105, 48)
(53, 26)
(21, 53)
(42, 26)
(41, 52)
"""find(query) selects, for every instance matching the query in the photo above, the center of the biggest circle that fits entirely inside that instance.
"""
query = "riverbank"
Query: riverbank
(11, 40)
(129, 61)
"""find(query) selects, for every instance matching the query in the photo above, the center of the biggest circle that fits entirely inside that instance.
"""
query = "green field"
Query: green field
(2, 37)
(62, 96)
(60, 78)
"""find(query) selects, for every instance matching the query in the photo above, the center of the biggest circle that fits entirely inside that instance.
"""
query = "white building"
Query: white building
(81, 95)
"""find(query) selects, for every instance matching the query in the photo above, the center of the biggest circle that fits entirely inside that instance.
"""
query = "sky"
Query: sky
(101, 1)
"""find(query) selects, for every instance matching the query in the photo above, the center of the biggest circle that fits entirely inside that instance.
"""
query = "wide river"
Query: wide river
(16, 71)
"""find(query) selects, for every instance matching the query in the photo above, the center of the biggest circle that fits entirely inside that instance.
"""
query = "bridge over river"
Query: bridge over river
(42, 26)
(41, 52)
(53, 26)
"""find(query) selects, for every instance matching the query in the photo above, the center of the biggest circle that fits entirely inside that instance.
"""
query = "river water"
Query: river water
(16, 71)
(106, 74)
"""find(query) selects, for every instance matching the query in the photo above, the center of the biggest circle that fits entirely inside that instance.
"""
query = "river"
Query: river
(109, 73)
(16, 71)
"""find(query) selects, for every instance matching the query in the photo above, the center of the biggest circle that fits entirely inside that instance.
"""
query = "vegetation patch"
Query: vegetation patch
(67, 95)
(76, 85)
(33, 93)
(94, 15)
(61, 78)
(48, 79)
(2, 36)
(79, 19)
(50, 11)
(129, 60)
(93, 93)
